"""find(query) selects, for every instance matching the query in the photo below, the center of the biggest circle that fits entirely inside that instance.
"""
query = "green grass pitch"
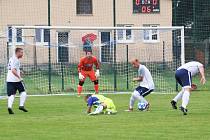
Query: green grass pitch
(64, 118)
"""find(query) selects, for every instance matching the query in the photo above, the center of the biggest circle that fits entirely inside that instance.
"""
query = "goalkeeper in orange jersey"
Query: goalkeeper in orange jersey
(85, 68)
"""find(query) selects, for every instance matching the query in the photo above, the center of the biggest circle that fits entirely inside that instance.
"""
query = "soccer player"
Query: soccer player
(183, 76)
(101, 103)
(85, 69)
(14, 81)
(146, 85)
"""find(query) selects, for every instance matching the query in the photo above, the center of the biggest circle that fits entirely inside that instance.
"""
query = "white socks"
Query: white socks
(10, 101)
(179, 95)
(11, 98)
(99, 109)
(185, 98)
(136, 96)
(23, 97)
(132, 101)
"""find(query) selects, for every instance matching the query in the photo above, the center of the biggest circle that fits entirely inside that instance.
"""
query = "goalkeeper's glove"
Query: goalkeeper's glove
(97, 74)
(81, 77)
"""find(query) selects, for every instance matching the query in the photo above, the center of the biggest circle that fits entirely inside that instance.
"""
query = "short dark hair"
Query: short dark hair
(18, 49)
(88, 95)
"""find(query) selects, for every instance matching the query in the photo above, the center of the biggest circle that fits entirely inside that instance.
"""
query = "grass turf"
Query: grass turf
(63, 117)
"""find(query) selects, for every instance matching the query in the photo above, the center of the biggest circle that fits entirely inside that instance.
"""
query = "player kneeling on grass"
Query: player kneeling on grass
(14, 81)
(102, 104)
(85, 69)
(146, 85)
(183, 76)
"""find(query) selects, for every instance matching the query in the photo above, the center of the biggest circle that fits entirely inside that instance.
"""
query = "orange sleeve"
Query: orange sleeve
(80, 65)
(96, 62)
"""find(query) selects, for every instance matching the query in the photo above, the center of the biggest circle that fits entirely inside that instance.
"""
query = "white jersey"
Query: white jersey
(147, 81)
(14, 63)
(192, 67)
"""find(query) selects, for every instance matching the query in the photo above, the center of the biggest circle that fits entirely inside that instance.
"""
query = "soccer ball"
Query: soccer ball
(193, 87)
(141, 106)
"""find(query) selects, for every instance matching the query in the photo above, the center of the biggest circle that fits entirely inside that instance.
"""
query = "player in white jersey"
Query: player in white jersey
(183, 76)
(146, 85)
(14, 81)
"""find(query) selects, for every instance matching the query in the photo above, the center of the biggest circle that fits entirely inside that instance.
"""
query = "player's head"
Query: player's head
(87, 47)
(88, 53)
(87, 96)
(135, 63)
(19, 52)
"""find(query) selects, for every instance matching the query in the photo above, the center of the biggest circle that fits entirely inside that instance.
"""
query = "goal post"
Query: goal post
(161, 49)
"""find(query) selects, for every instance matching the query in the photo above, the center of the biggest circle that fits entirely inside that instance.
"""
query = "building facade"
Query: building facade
(143, 44)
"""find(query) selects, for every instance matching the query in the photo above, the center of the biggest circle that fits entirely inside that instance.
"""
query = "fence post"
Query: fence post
(115, 63)
(49, 52)
(176, 65)
(127, 63)
(62, 76)
(164, 61)
(7, 52)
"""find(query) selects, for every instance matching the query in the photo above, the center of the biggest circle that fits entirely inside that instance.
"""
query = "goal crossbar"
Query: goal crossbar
(100, 28)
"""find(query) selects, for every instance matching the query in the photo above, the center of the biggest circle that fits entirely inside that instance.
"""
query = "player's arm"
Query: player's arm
(14, 71)
(89, 104)
(79, 68)
(140, 76)
(138, 79)
(97, 64)
(89, 109)
(14, 67)
(202, 74)
(21, 73)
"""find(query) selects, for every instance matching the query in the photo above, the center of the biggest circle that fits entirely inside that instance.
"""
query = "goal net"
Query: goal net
(52, 53)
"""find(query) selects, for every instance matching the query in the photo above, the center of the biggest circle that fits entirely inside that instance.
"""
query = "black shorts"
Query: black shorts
(143, 91)
(12, 88)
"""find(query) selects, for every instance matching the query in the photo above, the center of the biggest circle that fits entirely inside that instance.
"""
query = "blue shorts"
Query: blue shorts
(183, 77)
(143, 91)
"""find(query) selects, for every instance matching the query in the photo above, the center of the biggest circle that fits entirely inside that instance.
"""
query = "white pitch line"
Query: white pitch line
(75, 94)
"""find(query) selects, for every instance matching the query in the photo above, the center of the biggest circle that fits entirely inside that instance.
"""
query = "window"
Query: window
(151, 36)
(10, 34)
(18, 37)
(63, 49)
(106, 47)
(125, 36)
(84, 7)
(42, 36)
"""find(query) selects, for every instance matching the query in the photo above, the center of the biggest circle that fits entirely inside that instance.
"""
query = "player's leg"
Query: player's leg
(186, 84)
(178, 96)
(111, 108)
(137, 95)
(99, 109)
(176, 99)
(11, 91)
(185, 100)
(178, 77)
(144, 93)
(81, 82)
(96, 86)
(23, 96)
(94, 80)
(79, 87)
(132, 101)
